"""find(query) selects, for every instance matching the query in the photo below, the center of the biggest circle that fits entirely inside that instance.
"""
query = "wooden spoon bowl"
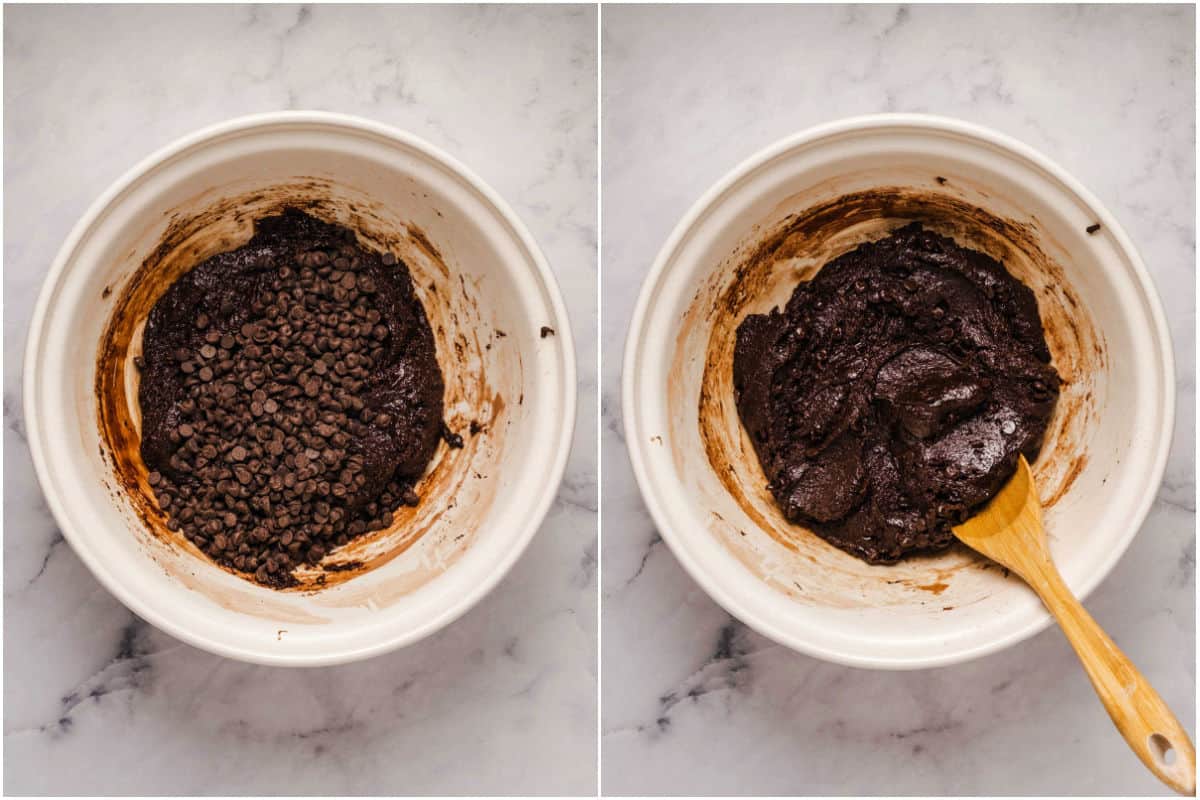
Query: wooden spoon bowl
(1009, 531)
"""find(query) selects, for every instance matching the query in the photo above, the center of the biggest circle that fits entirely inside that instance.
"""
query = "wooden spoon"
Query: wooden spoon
(1009, 531)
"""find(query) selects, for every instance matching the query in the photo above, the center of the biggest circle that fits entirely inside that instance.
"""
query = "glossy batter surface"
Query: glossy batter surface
(894, 392)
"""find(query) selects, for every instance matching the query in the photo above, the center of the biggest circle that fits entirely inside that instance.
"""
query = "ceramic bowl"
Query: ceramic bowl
(771, 223)
(487, 291)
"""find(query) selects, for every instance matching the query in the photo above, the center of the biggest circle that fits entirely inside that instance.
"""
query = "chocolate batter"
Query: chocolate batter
(893, 394)
(290, 396)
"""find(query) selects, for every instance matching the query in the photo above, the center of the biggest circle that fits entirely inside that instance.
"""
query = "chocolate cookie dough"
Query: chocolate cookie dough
(893, 394)
(290, 396)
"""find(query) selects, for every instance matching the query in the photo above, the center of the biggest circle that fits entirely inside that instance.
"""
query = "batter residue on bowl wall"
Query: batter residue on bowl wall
(761, 275)
(455, 484)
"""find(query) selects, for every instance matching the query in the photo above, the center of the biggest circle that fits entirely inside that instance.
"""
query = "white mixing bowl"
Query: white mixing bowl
(773, 222)
(487, 291)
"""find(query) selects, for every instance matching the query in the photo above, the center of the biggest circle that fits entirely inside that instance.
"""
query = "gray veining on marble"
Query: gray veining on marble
(501, 702)
(694, 702)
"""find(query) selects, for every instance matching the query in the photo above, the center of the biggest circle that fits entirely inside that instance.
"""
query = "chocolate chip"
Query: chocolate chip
(268, 438)
(451, 438)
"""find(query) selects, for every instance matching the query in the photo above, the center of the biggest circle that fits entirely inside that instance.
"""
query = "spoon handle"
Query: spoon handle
(1141, 716)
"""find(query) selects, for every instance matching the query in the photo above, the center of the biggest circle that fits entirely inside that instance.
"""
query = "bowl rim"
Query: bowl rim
(344, 123)
(909, 123)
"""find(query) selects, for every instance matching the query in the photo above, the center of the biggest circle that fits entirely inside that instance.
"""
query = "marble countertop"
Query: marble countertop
(501, 702)
(694, 702)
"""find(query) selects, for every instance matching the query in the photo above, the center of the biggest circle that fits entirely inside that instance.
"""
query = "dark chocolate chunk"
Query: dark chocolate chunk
(451, 438)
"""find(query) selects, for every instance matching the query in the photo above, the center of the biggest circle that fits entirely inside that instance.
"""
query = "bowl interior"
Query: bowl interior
(486, 297)
(775, 226)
